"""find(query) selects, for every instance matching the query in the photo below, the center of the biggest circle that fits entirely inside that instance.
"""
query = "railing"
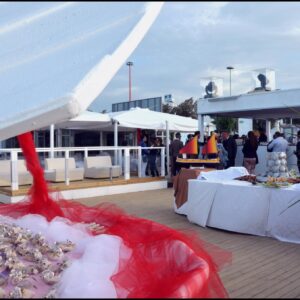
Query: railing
(122, 156)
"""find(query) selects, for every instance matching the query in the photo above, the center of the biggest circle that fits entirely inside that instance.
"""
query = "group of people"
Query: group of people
(226, 144)
(227, 150)
(151, 157)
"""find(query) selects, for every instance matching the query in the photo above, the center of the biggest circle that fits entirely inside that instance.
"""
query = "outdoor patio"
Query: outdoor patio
(261, 267)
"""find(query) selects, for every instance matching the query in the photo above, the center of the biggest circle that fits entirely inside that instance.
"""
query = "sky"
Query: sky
(194, 40)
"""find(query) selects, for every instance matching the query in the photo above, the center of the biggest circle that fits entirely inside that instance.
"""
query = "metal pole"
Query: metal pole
(230, 80)
(129, 64)
(168, 149)
(230, 68)
(129, 83)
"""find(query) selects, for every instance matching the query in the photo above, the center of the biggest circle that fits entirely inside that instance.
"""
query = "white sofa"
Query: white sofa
(55, 170)
(24, 177)
(100, 167)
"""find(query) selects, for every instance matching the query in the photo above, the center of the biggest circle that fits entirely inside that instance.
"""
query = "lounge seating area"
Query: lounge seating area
(97, 167)
(55, 170)
(100, 167)
(24, 177)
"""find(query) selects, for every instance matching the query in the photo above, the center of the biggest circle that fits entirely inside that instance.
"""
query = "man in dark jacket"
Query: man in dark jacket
(230, 146)
(175, 146)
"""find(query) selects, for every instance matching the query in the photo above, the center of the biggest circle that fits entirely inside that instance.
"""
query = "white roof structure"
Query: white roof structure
(134, 118)
(276, 104)
(87, 120)
(148, 119)
(57, 57)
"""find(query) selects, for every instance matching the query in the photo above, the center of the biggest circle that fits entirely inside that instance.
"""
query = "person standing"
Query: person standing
(278, 144)
(175, 146)
(152, 158)
(297, 152)
(145, 153)
(230, 146)
(250, 152)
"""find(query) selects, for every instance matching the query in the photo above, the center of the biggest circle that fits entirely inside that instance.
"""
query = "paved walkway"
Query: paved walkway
(261, 267)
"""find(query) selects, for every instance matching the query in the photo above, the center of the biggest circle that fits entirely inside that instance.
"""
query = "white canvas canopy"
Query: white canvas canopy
(148, 119)
(57, 57)
(87, 120)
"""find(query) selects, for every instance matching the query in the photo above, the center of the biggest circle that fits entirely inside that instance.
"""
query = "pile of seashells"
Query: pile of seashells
(28, 262)
(277, 164)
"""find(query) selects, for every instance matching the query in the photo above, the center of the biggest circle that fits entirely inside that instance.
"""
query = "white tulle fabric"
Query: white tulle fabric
(94, 260)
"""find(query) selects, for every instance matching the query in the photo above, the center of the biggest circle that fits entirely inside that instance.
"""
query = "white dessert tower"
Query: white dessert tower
(277, 164)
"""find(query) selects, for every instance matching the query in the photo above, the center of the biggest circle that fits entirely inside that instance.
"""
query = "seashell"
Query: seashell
(49, 277)
(63, 265)
(20, 238)
(3, 280)
(23, 248)
(19, 292)
(43, 264)
(2, 293)
(16, 293)
(32, 270)
(16, 276)
(55, 253)
(51, 294)
(66, 246)
(38, 239)
(37, 255)
(44, 248)
(25, 284)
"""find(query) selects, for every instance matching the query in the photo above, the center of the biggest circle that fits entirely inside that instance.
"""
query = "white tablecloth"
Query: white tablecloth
(242, 207)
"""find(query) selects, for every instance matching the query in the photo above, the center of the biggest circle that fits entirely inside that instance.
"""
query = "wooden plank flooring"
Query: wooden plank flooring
(261, 267)
(81, 184)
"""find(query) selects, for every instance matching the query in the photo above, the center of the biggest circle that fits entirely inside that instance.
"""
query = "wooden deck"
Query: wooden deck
(261, 267)
(82, 184)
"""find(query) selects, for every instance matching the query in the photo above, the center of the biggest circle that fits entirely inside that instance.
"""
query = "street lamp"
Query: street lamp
(230, 68)
(129, 64)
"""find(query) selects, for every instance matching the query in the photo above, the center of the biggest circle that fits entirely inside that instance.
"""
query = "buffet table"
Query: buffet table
(242, 207)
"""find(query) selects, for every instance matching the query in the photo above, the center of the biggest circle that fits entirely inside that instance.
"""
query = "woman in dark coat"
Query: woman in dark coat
(250, 154)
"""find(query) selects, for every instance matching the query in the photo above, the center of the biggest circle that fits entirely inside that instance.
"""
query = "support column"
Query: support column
(52, 141)
(14, 170)
(268, 129)
(101, 138)
(116, 141)
(126, 164)
(67, 178)
(168, 149)
(201, 127)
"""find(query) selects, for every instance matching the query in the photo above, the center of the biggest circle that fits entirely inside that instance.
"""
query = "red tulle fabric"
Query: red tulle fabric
(164, 262)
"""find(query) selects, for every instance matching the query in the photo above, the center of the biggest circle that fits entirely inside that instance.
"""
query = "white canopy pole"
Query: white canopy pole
(168, 149)
(201, 127)
(101, 138)
(268, 129)
(52, 141)
(116, 140)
